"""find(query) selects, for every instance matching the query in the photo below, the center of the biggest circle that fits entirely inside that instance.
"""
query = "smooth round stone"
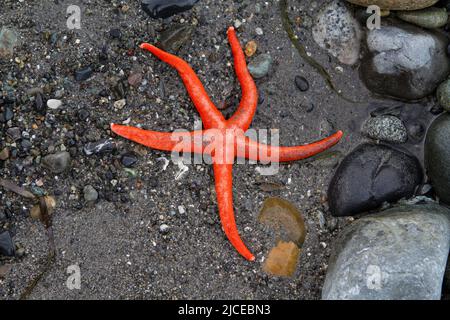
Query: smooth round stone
(54, 104)
(437, 156)
(164, 228)
(371, 175)
(443, 95)
(259, 67)
(90, 194)
(396, 4)
(301, 83)
(404, 61)
(398, 254)
(426, 18)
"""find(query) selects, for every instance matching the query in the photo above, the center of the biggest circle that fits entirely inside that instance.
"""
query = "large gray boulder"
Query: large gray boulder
(404, 61)
(400, 253)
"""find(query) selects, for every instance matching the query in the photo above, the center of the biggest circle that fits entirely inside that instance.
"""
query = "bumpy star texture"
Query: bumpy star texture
(227, 136)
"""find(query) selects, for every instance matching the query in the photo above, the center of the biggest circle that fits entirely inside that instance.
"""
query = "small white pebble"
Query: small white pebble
(54, 104)
(259, 31)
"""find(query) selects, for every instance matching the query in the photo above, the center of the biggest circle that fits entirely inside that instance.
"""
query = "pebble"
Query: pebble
(166, 8)
(426, 18)
(119, 104)
(398, 254)
(4, 154)
(101, 146)
(129, 159)
(164, 228)
(301, 83)
(443, 95)
(259, 67)
(54, 104)
(371, 175)
(83, 74)
(250, 48)
(8, 40)
(7, 114)
(14, 133)
(83, 114)
(57, 162)
(90, 194)
(7, 247)
(385, 128)
(259, 31)
(135, 79)
(39, 104)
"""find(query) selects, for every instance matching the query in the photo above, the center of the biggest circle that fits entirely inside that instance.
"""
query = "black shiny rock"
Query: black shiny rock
(370, 175)
(166, 8)
(6, 244)
(83, 74)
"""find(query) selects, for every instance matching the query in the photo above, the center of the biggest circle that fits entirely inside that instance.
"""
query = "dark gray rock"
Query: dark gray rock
(6, 114)
(166, 8)
(57, 162)
(404, 61)
(437, 156)
(301, 83)
(370, 175)
(400, 253)
(7, 247)
(101, 146)
(83, 74)
(443, 94)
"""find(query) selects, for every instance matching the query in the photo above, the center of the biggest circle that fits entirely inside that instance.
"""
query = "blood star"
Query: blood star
(226, 136)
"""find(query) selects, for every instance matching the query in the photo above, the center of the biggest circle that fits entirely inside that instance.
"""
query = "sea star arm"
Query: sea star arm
(243, 116)
(165, 141)
(211, 117)
(263, 152)
(224, 192)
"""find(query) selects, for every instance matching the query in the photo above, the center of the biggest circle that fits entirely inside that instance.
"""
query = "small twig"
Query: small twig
(50, 259)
